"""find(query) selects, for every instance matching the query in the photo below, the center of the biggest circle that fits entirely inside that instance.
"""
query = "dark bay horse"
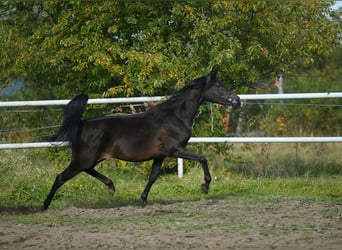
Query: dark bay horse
(162, 131)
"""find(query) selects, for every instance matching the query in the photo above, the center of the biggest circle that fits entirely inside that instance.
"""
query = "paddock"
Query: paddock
(226, 223)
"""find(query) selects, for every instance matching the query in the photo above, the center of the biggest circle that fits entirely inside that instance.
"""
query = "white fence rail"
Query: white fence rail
(159, 98)
(90, 101)
(193, 139)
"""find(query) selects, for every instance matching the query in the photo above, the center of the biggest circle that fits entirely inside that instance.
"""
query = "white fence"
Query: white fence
(193, 139)
(159, 98)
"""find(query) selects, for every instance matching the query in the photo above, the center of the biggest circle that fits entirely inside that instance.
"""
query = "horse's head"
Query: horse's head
(216, 92)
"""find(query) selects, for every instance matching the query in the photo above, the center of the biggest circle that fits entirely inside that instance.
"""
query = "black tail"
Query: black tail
(72, 118)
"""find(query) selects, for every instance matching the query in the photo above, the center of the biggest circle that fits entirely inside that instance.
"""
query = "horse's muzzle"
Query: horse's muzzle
(234, 101)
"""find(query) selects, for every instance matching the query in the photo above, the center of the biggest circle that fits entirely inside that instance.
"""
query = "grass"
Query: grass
(26, 177)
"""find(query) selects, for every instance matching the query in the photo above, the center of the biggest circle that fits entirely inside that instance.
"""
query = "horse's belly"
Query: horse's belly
(134, 150)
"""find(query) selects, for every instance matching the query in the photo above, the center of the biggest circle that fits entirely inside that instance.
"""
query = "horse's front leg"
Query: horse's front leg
(183, 153)
(155, 172)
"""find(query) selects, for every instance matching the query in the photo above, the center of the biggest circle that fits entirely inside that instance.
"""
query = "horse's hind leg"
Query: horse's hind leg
(104, 179)
(61, 178)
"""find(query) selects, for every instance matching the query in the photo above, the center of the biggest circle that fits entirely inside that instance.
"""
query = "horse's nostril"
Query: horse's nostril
(235, 101)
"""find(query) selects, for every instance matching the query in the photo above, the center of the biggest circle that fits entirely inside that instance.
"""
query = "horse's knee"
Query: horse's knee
(203, 160)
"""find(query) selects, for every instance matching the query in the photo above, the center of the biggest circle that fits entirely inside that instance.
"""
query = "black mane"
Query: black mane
(197, 83)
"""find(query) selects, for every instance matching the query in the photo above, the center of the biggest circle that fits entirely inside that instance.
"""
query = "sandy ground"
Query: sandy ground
(207, 224)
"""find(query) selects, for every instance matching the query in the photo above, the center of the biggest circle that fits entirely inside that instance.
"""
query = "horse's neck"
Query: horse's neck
(186, 106)
(193, 105)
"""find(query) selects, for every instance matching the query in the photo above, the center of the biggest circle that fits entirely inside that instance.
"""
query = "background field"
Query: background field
(290, 170)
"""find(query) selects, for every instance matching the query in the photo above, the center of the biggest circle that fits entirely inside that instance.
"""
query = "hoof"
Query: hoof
(111, 191)
(45, 206)
(111, 188)
(205, 188)
(143, 203)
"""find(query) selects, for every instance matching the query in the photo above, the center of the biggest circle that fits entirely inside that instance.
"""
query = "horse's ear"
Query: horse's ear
(212, 74)
(214, 71)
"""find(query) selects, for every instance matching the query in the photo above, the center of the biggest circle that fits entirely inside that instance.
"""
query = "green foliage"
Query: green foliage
(120, 48)
(123, 48)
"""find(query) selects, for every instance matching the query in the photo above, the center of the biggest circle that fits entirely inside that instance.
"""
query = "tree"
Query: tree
(133, 48)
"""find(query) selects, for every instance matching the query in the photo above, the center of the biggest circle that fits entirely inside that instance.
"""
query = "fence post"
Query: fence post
(180, 167)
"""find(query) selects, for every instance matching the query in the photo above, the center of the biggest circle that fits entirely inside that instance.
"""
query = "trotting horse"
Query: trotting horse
(162, 131)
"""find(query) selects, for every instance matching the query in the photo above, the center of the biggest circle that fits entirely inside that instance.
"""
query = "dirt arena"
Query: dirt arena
(232, 223)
